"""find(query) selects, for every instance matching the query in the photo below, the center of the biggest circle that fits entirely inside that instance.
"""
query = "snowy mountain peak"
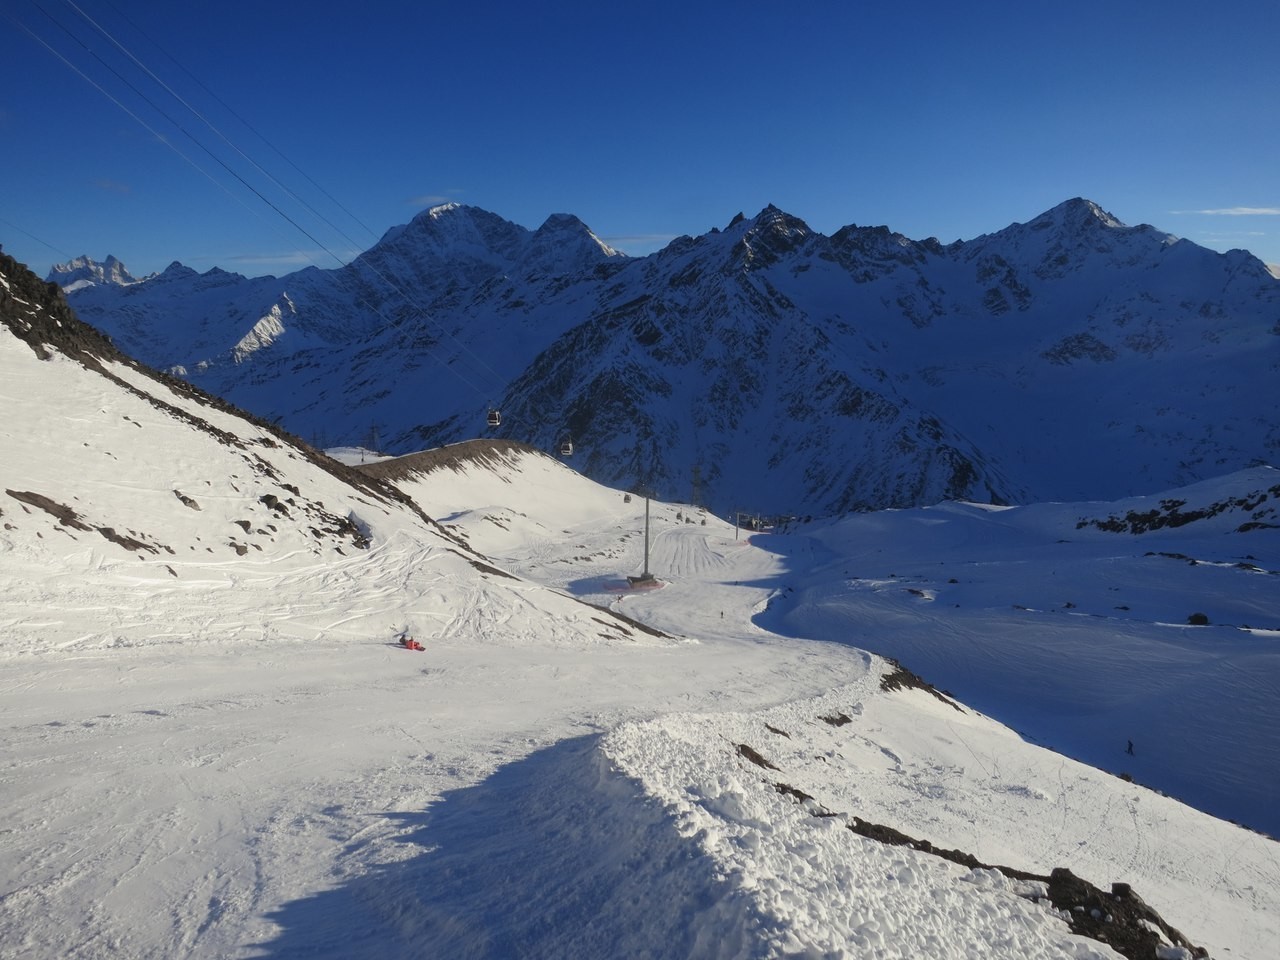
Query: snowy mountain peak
(465, 239)
(564, 245)
(176, 271)
(459, 241)
(771, 235)
(772, 219)
(1074, 217)
(85, 271)
(565, 226)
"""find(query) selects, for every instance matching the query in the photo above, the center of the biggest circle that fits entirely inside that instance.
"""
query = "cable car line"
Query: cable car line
(391, 284)
(208, 123)
(156, 107)
(249, 126)
(365, 265)
(97, 86)
(58, 250)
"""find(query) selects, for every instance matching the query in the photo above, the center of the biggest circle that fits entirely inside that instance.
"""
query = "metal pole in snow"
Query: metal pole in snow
(646, 537)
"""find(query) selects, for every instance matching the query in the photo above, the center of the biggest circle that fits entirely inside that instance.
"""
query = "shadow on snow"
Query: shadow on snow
(555, 855)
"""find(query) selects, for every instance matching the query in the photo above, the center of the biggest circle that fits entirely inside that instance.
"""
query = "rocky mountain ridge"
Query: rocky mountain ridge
(761, 366)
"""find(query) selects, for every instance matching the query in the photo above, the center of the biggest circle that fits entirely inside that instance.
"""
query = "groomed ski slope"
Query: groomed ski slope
(722, 585)
(237, 761)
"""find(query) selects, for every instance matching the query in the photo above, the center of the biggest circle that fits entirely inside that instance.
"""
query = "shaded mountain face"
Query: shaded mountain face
(763, 367)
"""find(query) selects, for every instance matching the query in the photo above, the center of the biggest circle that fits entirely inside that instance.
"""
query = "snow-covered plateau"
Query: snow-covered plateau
(215, 746)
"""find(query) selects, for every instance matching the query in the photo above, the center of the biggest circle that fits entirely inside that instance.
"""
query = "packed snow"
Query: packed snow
(216, 747)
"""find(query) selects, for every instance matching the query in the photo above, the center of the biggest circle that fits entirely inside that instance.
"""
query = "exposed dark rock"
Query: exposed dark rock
(748, 753)
(900, 678)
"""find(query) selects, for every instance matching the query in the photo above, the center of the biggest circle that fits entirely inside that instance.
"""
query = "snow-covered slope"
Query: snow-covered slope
(1113, 662)
(215, 748)
(766, 366)
(1084, 626)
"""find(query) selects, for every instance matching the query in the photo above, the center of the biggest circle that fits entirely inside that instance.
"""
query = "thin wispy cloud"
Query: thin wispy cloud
(1232, 234)
(1233, 212)
(291, 258)
(435, 199)
(624, 239)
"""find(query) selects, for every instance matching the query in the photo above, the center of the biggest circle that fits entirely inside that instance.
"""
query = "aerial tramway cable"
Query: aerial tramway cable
(244, 122)
(395, 288)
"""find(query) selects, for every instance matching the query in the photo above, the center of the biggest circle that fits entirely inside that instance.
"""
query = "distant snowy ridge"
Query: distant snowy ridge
(85, 271)
(764, 366)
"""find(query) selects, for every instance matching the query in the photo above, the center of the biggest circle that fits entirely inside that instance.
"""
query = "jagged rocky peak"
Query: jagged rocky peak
(564, 244)
(84, 271)
(854, 244)
(779, 222)
(769, 235)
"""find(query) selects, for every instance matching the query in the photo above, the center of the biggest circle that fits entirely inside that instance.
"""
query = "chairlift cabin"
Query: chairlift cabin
(495, 418)
(566, 447)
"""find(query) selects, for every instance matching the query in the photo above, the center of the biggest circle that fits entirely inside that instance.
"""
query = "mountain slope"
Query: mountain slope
(768, 366)
(215, 747)
(158, 481)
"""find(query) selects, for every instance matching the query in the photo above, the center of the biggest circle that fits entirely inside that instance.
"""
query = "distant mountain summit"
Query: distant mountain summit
(762, 366)
(472, 245)
(85, 271)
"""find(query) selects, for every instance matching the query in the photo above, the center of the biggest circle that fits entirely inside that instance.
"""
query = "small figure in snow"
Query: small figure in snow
(1129, 748)
(409, 643)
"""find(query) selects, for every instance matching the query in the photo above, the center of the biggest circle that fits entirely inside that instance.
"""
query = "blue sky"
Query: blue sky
(647, 121)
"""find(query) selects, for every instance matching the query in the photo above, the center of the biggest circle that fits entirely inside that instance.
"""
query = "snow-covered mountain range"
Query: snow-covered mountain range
(87, 272)
(215, 746)
(763, 366)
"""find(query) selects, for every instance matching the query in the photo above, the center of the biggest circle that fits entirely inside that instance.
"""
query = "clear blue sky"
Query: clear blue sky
(646, 120)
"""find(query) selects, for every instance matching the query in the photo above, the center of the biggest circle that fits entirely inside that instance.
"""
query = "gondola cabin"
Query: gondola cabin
(566, 448)
(495, 418)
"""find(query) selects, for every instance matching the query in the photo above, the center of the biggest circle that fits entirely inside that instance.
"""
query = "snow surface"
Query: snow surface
(213, 746)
